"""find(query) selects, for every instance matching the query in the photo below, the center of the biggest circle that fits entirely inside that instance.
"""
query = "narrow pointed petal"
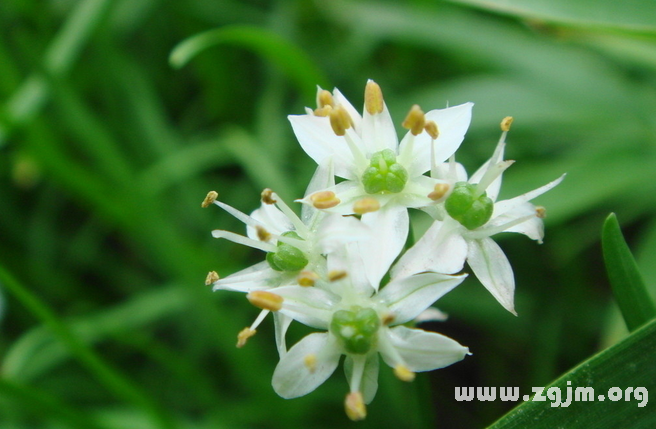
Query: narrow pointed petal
(335, 231)
(441, 249)
(320, 142)
(349, 259)
(256, 277)
(492, 268)
(494, 187)
(425, 351)
(309, 305)
(389, 226)
(281, 323)
(407, 297)
(504, 206)
(369, 382)
(292, 378)
(378, 132)
(532, 227)
(272, 219)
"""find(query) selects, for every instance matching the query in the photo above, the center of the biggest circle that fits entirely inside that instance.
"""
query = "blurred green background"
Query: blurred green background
(107, 150)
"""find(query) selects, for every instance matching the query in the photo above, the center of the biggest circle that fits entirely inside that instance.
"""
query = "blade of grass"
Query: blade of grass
(628, 287)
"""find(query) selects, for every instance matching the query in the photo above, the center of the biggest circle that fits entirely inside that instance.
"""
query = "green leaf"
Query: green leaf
(628, 364)
(625, 279)
(629, 15)
(284, 54)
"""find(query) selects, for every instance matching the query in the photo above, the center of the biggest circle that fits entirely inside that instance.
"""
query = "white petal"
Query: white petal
(441, 249)
(335, 231)
(424, 351)
(340, 100)
(323, 178)
(320, 142)
(311, 306)
(533, 227)
(281, 323)
(504, 206)
(378, 132)
(407, 297)
(256, 277)
(389, 227)
(452, 124)
(349, 259)
(492, 268)
(369, 382)
(272, 219)
(292, 378)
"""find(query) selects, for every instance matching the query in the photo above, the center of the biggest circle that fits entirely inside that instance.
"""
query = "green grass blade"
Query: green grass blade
(629, 363)
(625, 279)
(285, 55)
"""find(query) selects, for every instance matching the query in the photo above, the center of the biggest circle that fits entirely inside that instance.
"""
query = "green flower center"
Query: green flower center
(467, 208)
(356, 329)
(384, 174)
(287, 257)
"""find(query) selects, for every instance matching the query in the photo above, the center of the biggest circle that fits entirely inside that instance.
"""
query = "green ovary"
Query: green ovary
(384, 174)
(287, 257)
(356, 329)
(467, 208)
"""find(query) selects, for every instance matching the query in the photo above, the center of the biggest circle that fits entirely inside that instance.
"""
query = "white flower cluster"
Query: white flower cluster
(324, 269)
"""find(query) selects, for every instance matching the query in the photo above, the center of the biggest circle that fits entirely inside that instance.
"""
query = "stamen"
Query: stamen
(388, 319)
(439, 191)
(307, 278)
(354, 406)
(209, 199)
(506, 123)
(540, 212)
(265, 300)
(262, 233)
(244, 335)
(431, 129)
(373, 98)
(336, 275)
(301, 228)
(323, 111)
(403, 373)
(212, 277)
(240, 239)
(267, 196)
(366, 205)
(310, 362)
(415, 121)
(340, 120)
(324, 200)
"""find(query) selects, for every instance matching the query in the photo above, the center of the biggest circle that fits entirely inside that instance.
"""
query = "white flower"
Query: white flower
(467, 218)
(382, 177)
(362, 323)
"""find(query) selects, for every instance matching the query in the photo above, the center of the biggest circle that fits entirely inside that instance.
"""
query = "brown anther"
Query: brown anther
(540, 212)
(354, 406)
(307, 278)
(373, 98)
(324, 98)
(431, 129)
(310, 362)
(265, 300)
(209, 199)
(244, 335)
(212, 277)
(366, 205)
(335, 275)
(324, 200)
(439, 191)
(388, 319)
(506, 122)
(262, 233)
(403, 373)
(267, 196)
(340, 120)
(415, 121)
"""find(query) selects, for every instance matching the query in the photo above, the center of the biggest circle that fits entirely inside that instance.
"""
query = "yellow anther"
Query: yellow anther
(212, 277)
(323, 111)
(324, 98)
(415, 121)
(267, 196)
(388, 319)
(366, 205)
(340, 120)
(354, 406)
(439, 191)
(506, 122)
(403, 373)
(262, 233)
(324, 200)
(265, 300)
(307, 278)
(373, 98)
(431, 129)
(244, 335)
(310, 362)
(209, 199)
(335, 275)
(540, 212)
